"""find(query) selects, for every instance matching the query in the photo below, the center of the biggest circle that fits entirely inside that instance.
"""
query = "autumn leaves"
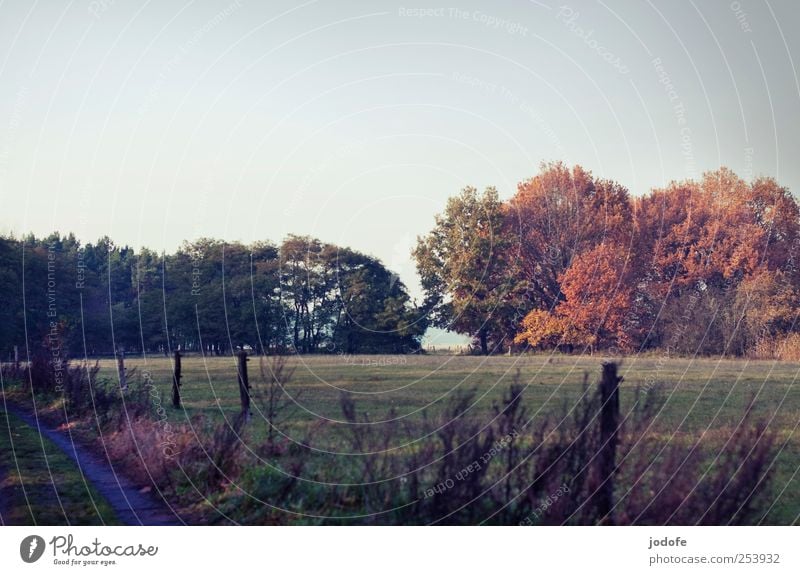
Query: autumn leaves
(575, 261)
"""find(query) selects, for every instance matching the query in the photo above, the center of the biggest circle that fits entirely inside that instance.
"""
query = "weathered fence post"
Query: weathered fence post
(609, 424)
(244, 384)
(176, 380)
(123, 380)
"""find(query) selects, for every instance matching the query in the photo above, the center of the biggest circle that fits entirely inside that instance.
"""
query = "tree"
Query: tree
(708, 240)
(705, 266)
(559, 214)
(463, 268)
(376, 314)
(208, 296)
(764, 307)
(598, 298)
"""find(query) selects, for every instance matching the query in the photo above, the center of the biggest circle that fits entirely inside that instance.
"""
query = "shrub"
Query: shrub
(782, 348)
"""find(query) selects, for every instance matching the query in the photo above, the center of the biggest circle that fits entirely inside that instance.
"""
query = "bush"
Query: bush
(782, 348)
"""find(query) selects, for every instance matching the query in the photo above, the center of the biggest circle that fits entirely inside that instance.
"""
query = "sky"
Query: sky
(158, 122)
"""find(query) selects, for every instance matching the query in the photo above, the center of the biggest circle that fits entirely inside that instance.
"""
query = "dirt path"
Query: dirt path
(131, 506)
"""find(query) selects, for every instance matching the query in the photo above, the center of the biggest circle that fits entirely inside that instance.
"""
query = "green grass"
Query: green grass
(700, 394)
(703, 399)
(42, 486)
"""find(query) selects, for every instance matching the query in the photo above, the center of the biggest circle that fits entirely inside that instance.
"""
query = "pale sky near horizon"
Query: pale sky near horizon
(155, 122)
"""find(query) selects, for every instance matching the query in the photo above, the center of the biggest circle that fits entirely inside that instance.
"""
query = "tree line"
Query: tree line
(303, 296)
(575, 262)
(570, 261)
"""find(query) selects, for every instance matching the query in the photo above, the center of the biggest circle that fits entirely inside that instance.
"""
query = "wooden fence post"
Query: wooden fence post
(244, 384)
(123, 380)
(176, 381)
(609, 424)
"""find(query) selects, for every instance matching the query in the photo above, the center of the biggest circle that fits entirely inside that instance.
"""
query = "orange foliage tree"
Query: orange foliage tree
(559, 214)
(595, 309)
(706, 266)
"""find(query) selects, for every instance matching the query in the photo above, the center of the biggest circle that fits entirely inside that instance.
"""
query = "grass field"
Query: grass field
(703, 402)
(700, 394)
(41, 485)
(703, 399)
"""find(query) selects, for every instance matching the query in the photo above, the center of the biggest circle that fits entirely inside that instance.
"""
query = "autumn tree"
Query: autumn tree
(595, 311)
(712, 243)
(764, 306)
(559, 214)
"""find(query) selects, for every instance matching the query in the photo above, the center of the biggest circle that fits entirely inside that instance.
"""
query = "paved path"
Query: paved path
(131, 506)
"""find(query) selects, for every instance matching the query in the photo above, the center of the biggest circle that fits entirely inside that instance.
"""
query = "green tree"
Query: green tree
(464, 268)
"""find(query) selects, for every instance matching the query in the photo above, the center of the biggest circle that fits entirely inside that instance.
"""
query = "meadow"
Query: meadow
(699, 394)
(397, 399)
(41, 485)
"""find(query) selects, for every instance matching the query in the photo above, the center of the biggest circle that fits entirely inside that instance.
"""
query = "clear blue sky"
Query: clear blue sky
(354, 121)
